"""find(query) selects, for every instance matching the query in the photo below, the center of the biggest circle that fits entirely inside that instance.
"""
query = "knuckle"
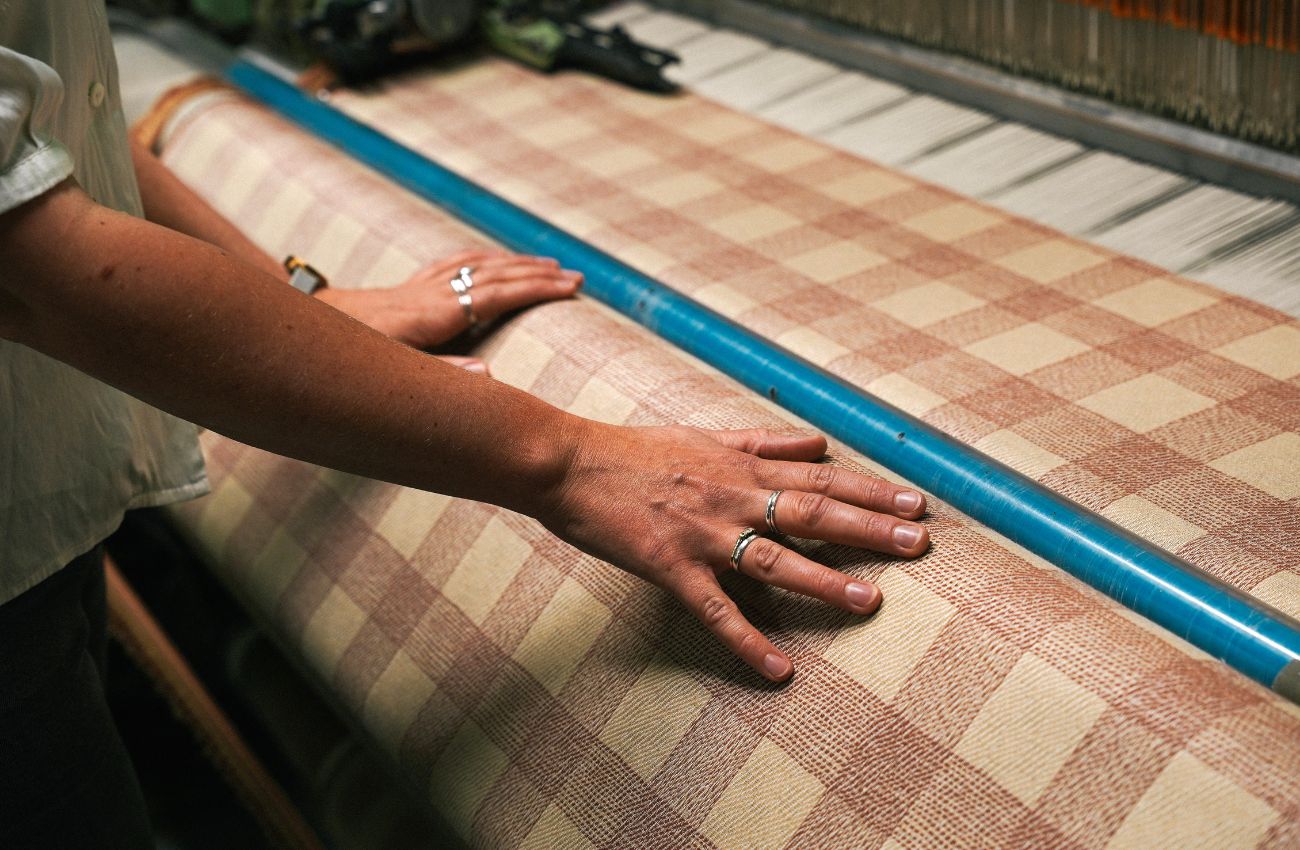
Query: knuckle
(877, 527)
(715, 611)
(746, 463)
(752, 439)
(811, 509)
(681, 433)
(711, 493)
(828, 585)
(876, 491)
(673, 571)
(749, 642)
(697, 488)
(766, 557)
(821, 476)
(662, 552)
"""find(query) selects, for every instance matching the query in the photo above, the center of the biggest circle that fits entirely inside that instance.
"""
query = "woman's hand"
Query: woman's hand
(668, 504)
(424, 311)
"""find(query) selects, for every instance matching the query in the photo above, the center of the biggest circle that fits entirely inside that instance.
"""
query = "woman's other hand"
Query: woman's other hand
(425, 312)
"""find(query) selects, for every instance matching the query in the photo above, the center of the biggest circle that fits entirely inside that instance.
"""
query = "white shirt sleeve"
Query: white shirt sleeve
(32, 161)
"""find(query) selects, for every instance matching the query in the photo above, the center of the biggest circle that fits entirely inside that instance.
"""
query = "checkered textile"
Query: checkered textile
(1170, 407)
(540, 698)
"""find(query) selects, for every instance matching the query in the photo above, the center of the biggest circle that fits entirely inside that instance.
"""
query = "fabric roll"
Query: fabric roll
(541, 698)
(1168, 406)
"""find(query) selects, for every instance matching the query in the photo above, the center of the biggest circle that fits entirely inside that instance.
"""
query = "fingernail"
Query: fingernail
(475, 366)
(907, 501)
(776, 666)
(907, 535)
(861, 596)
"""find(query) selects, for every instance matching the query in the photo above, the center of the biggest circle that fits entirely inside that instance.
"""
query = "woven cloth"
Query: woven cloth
(1168, 406)
(540, 698)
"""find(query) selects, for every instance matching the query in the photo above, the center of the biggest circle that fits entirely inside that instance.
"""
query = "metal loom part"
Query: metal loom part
(1257, 640)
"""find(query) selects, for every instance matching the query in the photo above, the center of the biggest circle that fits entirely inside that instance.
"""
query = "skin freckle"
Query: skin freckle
(106, 272)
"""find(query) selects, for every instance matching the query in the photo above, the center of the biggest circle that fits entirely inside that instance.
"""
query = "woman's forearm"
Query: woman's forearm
(197, 332)
(169, 202)
(193, 330)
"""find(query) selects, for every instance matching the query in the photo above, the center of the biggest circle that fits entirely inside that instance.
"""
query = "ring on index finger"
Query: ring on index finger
(746, 537)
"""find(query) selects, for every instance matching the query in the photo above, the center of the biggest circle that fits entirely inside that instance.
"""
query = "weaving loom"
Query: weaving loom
(1256, 640)
(1229, 65)
(579, 708)
(1062, 160)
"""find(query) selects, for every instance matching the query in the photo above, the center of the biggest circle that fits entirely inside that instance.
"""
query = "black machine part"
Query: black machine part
(362, 38)
(444, 21)
(614, 54)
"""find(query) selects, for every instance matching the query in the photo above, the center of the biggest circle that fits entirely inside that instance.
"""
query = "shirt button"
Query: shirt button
(96, 94)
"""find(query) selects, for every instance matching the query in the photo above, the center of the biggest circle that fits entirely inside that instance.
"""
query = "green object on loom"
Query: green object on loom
(531, 39)
(226, 15)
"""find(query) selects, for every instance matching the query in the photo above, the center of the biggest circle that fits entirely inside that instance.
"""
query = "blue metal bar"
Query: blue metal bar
(1261, 642)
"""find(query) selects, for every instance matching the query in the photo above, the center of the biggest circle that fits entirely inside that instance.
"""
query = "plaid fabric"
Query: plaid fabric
(542, 699)
(1168, 406)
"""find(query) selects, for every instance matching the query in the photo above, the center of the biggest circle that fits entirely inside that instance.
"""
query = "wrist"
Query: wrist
(329, 295)
(547, 457)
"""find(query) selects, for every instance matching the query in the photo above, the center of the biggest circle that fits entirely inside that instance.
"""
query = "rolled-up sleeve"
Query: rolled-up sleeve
(32, 161)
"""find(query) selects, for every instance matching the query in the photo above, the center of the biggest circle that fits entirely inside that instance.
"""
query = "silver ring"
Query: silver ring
(746, 537)
(463, 282)
(771, 510)
(467, 307)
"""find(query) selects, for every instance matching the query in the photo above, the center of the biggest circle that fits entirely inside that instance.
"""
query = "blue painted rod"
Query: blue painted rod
(1258, 640)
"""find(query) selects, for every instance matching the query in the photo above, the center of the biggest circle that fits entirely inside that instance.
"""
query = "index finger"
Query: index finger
(706, 599)
(773, 445)
(467, 257)
(844, 485)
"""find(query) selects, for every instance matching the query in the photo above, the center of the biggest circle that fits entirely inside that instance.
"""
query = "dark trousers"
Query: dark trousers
(65, 777)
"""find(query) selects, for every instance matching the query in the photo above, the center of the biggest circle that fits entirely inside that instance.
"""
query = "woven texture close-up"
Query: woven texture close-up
(537, 697)
(1168, 406)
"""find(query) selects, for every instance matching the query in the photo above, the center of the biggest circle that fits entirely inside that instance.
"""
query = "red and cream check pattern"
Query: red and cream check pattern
(544, 699)
(1168, 406)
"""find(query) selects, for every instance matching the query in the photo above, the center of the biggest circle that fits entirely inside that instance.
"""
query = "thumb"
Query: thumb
(469, 364)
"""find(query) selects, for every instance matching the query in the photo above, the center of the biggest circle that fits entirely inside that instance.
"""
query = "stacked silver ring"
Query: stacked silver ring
(771, 511)
(746, 537)
(461, 284)
(749, 535)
